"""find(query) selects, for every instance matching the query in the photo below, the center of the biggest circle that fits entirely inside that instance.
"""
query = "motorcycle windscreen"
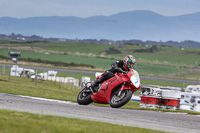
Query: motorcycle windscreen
(135, 79)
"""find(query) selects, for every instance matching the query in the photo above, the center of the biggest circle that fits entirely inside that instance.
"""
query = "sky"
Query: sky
(89, 8)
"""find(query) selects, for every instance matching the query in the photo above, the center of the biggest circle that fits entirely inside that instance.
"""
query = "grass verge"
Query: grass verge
(19, 122)
(45, 89)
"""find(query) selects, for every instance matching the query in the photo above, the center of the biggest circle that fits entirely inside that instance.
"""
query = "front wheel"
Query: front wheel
(118, 101)
(84, 97)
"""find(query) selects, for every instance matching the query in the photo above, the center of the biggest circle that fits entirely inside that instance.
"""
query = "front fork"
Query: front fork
(88, 86)
(120, 91)
(124, 87)
(91, 90)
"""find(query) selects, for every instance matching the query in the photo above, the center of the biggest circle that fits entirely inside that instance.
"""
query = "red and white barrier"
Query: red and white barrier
(154, 97)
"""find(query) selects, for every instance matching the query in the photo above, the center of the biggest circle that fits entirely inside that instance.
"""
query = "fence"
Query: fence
(3, 69)
(63, 82)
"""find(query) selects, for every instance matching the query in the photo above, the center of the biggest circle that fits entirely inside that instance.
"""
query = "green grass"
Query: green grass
(69, 48)
(45, 89)
(78, 76)
(191, 76)
(142, 68)
(6, 70)
(153, 69)
(176, 59)
(97, 62)
(164, 55)
(162, 83)
(19, 122)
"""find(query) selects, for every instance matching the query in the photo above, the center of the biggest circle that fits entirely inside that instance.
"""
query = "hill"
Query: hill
(143, 25)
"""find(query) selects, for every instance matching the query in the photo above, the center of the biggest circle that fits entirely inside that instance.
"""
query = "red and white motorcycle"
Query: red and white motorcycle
(116, 91)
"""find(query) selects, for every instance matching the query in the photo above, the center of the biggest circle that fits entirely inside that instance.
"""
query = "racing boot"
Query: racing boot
(95, 83)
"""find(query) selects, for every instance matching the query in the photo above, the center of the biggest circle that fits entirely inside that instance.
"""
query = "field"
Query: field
(151, 61)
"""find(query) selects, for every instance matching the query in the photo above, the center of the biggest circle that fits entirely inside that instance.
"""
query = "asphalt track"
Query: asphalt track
(170, 122)
(93, 73)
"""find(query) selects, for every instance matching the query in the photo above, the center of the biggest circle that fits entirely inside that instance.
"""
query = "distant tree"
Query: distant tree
(153, 49)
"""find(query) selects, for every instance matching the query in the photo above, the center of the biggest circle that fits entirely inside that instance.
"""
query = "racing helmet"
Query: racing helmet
(129, 61)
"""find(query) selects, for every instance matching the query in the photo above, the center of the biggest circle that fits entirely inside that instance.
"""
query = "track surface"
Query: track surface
(171, 122)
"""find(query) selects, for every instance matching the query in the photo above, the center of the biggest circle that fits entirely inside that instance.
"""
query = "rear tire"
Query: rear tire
(118, 101)
(84, 98)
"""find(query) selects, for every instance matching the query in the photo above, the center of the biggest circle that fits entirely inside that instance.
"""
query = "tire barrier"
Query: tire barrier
(155, 97)
(190, 99)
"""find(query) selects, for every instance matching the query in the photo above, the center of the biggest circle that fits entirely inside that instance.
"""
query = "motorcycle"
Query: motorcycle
(116, 91)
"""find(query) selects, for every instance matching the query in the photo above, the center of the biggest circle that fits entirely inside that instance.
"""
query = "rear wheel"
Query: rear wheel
(119, 100)
(84, 97)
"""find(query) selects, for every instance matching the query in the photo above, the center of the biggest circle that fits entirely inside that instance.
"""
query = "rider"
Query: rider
(118, 66)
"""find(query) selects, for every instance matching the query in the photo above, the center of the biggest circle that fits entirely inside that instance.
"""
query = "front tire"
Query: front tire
(118, 101)
(84, 97)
